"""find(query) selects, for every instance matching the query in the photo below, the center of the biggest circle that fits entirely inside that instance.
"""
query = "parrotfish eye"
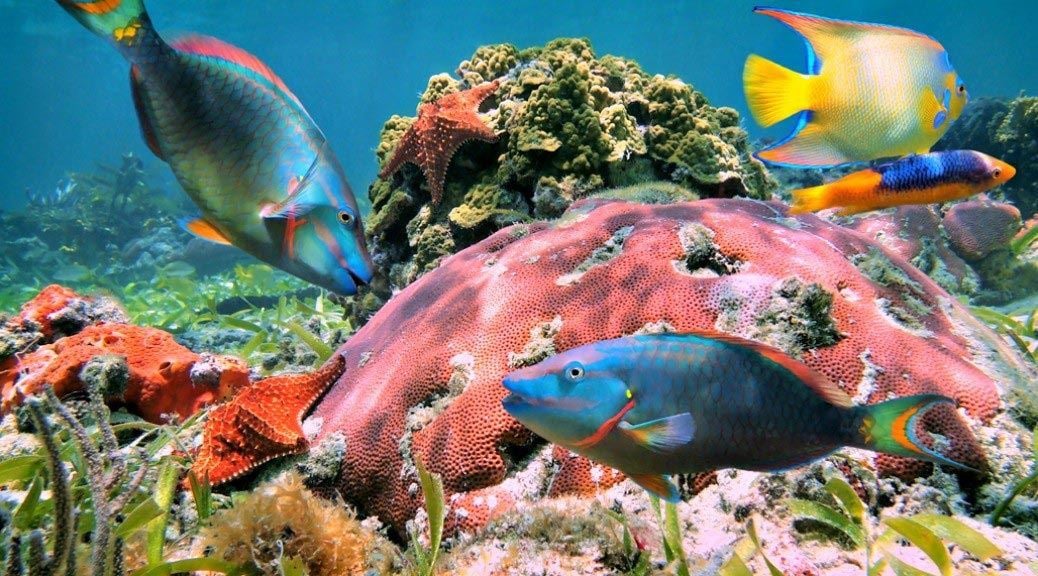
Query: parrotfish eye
(346, 218)
(574, 371)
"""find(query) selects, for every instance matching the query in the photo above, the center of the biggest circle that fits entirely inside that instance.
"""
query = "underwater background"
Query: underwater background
(66, 102)
(534, 178)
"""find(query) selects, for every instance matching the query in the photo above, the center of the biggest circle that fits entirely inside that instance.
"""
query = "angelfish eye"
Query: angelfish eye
(962, 88)
(345, 217)
(574, 371)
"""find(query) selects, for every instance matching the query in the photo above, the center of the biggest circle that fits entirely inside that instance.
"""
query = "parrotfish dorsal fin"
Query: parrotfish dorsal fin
(147, 130)
(216, 48)
(828, 35)
(813, 380)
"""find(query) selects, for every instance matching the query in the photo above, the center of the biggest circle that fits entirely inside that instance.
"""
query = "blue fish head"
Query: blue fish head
(323, 236)
(569, 397)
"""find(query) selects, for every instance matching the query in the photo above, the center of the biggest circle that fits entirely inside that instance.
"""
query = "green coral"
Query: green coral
(572, 124)
(488, 63)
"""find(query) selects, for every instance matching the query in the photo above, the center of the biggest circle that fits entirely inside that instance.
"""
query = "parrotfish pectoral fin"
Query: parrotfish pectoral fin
(890, 427)
(659, 485)
(774, 92)
(805, 146)
(204, 229)
(664, 434)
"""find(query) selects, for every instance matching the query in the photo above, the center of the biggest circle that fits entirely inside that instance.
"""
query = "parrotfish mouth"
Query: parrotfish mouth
(516, 398)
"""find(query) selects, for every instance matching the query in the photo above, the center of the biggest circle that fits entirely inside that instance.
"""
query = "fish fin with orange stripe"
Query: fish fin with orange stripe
(204, 229)
(215, 48)
(818, 383)
(827, 36)
(890, 427)
(113, 19)
(659, 485)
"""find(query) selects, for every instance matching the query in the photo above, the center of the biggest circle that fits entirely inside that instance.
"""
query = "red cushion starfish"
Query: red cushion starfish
(441, 127)
(262, 422)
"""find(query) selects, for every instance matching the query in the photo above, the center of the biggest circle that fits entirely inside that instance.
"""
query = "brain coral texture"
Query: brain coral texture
(423, 376)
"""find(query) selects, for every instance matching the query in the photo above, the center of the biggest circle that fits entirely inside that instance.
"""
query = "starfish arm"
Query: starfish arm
(407, 150)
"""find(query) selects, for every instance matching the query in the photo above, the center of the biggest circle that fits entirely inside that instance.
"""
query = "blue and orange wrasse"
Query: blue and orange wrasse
(921, 179)
(656, 405)
(870, 91)
(241, 145)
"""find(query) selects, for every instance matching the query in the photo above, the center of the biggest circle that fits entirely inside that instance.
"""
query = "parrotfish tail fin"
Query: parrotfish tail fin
(890, 427)
(774, 92)
(811, 199)
(124, 22)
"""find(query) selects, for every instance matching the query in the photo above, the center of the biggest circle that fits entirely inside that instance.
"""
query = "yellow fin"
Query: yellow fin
(827, 36)
(811, 199)
(932, 114)
(658, 485)
(204, 229)
(774, 92)
(809, 147)
(662, 435)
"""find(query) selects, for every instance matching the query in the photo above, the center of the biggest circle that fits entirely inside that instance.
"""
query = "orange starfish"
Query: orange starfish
(262, 422)
(440, 129)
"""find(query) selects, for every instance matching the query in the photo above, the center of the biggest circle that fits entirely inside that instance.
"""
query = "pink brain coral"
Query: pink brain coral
(423, 376)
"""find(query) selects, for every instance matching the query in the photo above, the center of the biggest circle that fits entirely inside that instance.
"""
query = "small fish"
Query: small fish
(871, 91)
(655, 405)
(241, 145)
(921, 179)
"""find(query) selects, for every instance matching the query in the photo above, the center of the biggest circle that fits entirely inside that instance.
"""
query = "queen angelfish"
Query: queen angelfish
(870, 91)
(241, 145)
(655, 405)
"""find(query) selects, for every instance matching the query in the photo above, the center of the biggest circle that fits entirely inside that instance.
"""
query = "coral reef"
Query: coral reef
(55, 312)
(262, 422)
(574, 123)
(281, 521)
(977, 228)
(852, 310)
(1005, 129)
(163, 379)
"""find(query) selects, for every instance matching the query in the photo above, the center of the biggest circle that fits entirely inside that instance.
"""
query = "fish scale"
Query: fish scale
(242, 146)
(655, 405)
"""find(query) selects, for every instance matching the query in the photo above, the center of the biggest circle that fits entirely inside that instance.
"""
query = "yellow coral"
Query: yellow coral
(283, 519)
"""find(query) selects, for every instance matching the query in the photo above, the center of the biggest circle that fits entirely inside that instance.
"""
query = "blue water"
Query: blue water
(65, 101)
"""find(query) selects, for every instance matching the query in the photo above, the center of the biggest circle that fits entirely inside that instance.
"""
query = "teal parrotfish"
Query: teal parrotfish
(241, 145)
(871, 91)
(662, 404)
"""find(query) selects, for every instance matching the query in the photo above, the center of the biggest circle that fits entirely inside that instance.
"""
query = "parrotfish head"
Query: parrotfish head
(322, 240)
(569, 397)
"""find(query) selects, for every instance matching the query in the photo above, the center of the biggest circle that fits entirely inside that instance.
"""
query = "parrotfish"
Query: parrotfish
(871, 91)
(241, 145)
(656, 405)
(917, 179)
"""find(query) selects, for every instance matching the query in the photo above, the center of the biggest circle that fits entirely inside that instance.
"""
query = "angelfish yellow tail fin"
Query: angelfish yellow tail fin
(774, 92)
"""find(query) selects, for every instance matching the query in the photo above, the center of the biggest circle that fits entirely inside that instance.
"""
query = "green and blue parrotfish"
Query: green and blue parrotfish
(242, 146)
(662, 404)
